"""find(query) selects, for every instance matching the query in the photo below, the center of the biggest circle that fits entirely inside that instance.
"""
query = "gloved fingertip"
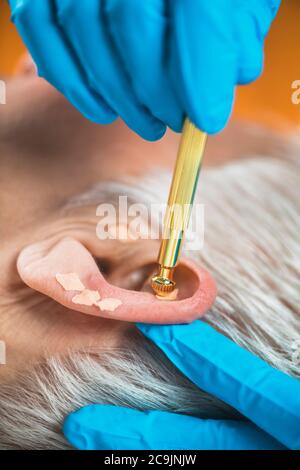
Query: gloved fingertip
(211, 125)
(153, 133)
(178, 125)
(71, 431)
(94, 109)
(250, 74)
(213, 120)
(102, 118)
(145, 328)
(156, 332)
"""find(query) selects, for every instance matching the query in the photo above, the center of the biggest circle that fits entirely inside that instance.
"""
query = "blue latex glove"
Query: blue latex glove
(150, 62)
(267, 397)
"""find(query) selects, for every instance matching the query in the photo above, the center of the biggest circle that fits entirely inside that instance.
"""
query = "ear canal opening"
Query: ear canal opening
(104, 266)
(131, 280)
(143, 275)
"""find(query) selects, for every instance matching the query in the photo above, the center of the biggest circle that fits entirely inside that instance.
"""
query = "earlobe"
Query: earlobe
(67, 272)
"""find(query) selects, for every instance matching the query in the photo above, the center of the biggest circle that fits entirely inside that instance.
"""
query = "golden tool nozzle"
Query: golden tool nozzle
(163, 283)
(180, 203)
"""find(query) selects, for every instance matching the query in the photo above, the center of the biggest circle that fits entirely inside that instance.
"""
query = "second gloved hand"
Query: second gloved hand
(150, 62)
(268, 399)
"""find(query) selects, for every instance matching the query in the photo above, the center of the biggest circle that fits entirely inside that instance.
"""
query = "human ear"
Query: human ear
(42, 264)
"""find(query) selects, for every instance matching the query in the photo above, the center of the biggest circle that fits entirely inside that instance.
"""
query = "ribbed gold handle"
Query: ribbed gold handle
(180, 203)
(182, 193)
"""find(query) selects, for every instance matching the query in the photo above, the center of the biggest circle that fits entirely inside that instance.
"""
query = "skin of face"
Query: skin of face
(48, 154)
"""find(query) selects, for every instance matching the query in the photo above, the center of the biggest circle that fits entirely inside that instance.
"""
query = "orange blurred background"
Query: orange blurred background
(267, 101)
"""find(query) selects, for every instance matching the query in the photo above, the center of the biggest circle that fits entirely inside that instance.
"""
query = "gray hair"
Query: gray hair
(252, 234)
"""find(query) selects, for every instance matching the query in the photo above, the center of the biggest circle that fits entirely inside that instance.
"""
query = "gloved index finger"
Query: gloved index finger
(268, 397)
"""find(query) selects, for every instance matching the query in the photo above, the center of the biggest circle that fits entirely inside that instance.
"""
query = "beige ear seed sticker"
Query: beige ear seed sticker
(109, 304)
(87, 297)
(70, 281)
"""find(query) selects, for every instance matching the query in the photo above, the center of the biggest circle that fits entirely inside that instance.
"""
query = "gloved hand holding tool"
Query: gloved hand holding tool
(152, 62)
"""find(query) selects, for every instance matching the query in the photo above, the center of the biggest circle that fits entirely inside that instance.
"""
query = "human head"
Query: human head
(63, 359)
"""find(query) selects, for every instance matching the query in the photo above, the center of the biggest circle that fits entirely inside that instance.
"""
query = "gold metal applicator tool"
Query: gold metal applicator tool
(180, 203)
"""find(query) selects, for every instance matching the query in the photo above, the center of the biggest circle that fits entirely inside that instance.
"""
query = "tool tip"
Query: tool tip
(162, 286)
